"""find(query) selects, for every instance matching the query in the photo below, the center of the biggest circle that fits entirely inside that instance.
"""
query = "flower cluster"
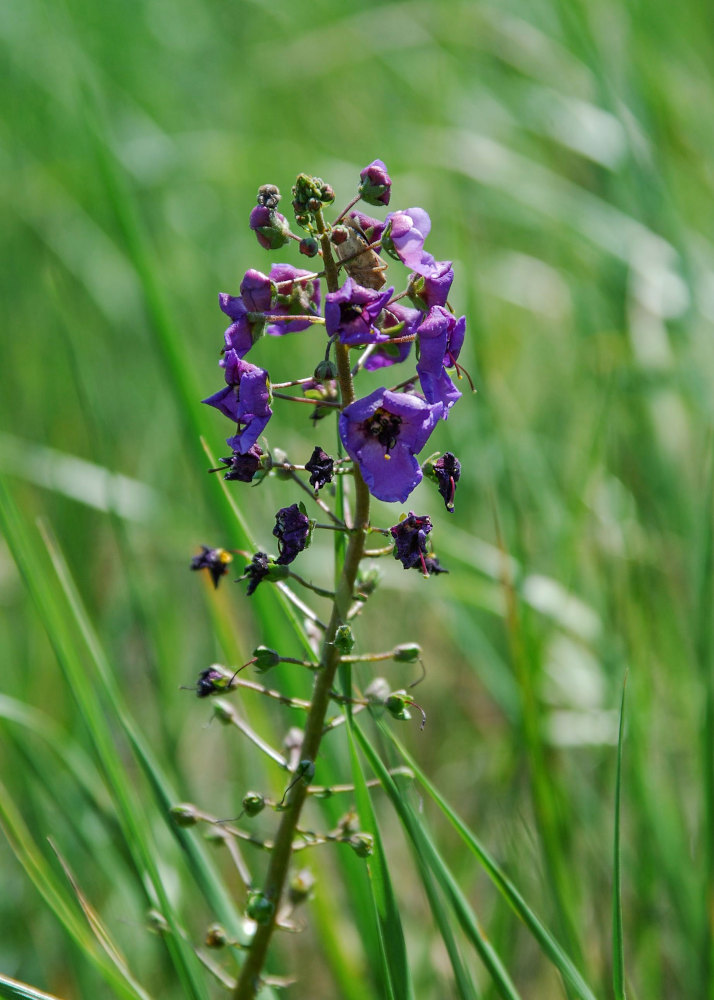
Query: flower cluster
(384, 430)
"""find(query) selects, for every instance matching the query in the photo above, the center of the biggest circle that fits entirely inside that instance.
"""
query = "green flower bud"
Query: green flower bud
(396, 705)
(362, 844)
(253, 803)
(216, 936)
(185, 814)
(265, 658)
(326, 371)
(344, 639)
(259, 907)
(407, 652)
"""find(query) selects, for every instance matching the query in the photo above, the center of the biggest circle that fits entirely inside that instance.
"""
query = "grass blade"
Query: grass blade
(618, 952)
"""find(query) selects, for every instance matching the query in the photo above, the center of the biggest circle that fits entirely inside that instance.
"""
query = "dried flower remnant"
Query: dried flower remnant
(447, 472)
(410, 546)
(292, 529)
(216, 561)
(241, 466)
(321, 468)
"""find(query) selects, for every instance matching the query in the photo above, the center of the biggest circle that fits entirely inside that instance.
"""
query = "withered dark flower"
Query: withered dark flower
(321, 468)
(216, 561)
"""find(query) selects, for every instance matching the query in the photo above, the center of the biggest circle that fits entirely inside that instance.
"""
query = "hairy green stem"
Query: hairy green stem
(249, 981)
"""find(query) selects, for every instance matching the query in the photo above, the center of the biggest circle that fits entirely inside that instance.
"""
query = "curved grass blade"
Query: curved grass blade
(547, 942)
(13, 990)
(618, 951)
(425, 848)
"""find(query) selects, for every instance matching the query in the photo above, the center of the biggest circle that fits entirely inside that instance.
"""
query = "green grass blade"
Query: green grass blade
(395, 966)
(547, 942)
(13, 990)
(424, 847)
(618, 950)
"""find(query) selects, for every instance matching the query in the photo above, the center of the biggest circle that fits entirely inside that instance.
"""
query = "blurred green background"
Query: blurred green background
(564, 153)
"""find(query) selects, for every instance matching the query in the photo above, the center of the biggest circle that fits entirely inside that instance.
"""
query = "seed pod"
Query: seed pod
(408, 652)
(362, 844)
(216, 936)
(253, 803)
(184, 814)
(344, 639)
(259, 907)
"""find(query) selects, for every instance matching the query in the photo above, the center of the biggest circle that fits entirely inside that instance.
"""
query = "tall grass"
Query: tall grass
(563, 152)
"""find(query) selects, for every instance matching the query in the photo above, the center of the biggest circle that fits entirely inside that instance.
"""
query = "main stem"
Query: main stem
(281, 854)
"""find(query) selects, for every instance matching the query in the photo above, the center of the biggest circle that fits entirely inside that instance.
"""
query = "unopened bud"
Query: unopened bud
(344, 639)
(271, 228)
(253, 803)
(216, 936)
(326, 371)
(309, 246)
(407, 652)
(396, 705)
(339, 234)
(265, 658)
(268, 195)
(259, 907)
(375, 187)
(185, 814)
(362, 844)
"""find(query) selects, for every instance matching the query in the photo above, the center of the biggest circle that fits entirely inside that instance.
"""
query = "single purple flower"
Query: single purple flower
(441, 337)
(382, 433)
(405, 239)
(400, 323)
(216, 561)
(292, 529)
(352, 311)
(245, 399)
(295, 298)
(241, 466)
(376, 184)
(447, 472)
(431, 290)
(270, 227)
(410, 540)
(246, 311)
(321, 468)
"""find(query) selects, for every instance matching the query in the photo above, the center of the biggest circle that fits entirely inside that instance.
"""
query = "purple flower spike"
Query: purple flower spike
(400, 322)
(295, 298)
(270, 227)
(433, 290)
(245, 399)
(410, 540)
(352, 311)
(440, 340)
(292, 529)
(407, 233)
(376, 184)
(382, 433)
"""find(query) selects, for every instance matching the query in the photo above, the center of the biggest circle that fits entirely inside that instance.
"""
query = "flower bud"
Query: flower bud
(396, 705)
(301, 885)
(271, 228)
(325, 371)
(407, 652)
(339, 234)
(253, 803)
(185, 814)
(378, 691)
(216, 936)
(259, 907)
(376, 184)
(362, 844)
(265, 658)
(309, 246)
(344, 639)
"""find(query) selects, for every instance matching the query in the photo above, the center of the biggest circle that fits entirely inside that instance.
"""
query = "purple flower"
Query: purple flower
(351, 313)
(216, 561)
(246, 311)
(434, 289)
(295, 298)
(410, 540)
(400, 323)
(441, 337)
(370, 228)
(245, 399)
(376, 184)
(321, 468)
(407, 232)
(271, 228)
(382, 433)
(241, 466)
(292, 529)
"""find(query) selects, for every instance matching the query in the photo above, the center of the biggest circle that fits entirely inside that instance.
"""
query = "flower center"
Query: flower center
(383, 426)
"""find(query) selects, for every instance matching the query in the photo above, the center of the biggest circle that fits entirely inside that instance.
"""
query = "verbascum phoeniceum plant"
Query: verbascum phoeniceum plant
(353, 321)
